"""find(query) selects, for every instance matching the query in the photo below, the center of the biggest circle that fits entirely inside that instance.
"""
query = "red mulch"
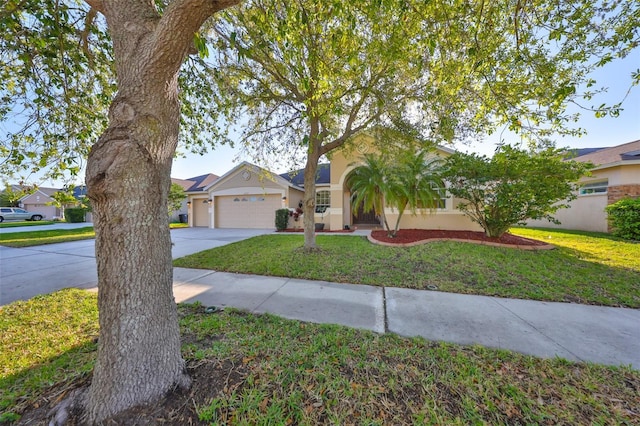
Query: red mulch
(405, 236)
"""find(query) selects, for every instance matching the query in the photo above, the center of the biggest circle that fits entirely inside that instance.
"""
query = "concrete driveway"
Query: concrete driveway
(28, 272)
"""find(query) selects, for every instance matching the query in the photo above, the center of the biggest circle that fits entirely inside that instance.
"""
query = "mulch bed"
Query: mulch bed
(411, 236)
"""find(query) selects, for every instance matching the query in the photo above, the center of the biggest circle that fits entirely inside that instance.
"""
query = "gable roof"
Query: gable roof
(184, 183)
(47, 192)
(296, 177)
(197, 183)
(626, 152)
(255, 169)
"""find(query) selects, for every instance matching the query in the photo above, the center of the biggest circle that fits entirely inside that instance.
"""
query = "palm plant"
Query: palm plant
(414, 184)
(408, 182)
(368, 183)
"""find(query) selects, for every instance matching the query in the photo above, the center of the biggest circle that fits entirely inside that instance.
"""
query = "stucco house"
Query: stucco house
(37, 202)
(616, 175)
(248, 196)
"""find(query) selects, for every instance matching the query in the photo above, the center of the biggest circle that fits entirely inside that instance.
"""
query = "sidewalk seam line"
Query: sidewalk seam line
(271, 295)
(539, 331)
(384, 308)
(192, 280)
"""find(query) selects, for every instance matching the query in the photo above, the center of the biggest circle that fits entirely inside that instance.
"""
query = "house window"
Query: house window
(440, 202)
(591, 188)
(323, 201)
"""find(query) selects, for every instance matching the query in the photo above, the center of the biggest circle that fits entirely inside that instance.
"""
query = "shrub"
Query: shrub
(74, 214)
(624, 218)
(282, 219)
(513, 186)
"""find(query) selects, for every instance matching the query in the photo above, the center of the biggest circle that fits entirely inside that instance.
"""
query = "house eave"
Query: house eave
(616, 164)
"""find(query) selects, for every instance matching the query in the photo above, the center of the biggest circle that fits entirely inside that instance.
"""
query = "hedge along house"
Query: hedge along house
(616, 175)
(247, 197)
(341, 212)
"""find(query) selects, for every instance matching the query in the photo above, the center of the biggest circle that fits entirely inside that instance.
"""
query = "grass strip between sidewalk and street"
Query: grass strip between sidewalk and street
(261, 369)
(36, 238)
(22, 223)
(584, 268)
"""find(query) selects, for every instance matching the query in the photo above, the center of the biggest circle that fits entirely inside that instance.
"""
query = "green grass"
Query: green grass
(25, 223)
(177, 225)
(267, 370)
(46, 341)
(585, 268)
(36, 238)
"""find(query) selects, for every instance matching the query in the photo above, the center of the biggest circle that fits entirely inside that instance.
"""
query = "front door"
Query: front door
(365, 217)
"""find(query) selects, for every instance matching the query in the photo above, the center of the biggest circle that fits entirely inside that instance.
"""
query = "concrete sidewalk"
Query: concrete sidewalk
(545, 329)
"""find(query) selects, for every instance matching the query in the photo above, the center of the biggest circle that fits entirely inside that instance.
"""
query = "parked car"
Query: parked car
(15, 213)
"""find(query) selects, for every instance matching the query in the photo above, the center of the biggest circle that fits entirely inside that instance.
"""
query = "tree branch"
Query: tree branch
(96, 4)
(175, 31)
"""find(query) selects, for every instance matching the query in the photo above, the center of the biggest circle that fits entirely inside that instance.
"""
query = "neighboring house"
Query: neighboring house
(616, 175)
(248, 196)
(37, 202)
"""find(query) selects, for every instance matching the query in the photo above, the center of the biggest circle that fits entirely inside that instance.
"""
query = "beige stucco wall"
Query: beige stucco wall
(36, 203)
(250, 181)
(255, 180)
(434, 220)
(586, 214)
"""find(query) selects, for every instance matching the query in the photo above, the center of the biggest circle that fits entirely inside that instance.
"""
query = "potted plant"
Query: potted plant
(320, 225)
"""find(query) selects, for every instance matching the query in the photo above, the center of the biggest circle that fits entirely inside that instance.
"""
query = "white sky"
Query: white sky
(601, 132)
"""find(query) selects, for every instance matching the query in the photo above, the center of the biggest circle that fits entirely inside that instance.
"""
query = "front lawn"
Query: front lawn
(584, 268)
(250, 369)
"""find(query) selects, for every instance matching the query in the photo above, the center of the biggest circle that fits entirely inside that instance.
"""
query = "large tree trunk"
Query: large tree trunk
(139, 347)
(128, 180)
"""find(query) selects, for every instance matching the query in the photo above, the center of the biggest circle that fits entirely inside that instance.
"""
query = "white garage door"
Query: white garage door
(247, 211)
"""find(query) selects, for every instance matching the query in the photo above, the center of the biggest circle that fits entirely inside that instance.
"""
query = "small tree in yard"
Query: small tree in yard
(62, 199)
(513, 186)
(176, 196)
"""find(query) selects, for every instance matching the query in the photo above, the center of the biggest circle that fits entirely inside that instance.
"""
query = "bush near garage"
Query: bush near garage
(282, 219)
(624, 218)
(75, 214)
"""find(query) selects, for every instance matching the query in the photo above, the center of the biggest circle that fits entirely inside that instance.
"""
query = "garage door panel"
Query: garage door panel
(200, 212)
(247, 211)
